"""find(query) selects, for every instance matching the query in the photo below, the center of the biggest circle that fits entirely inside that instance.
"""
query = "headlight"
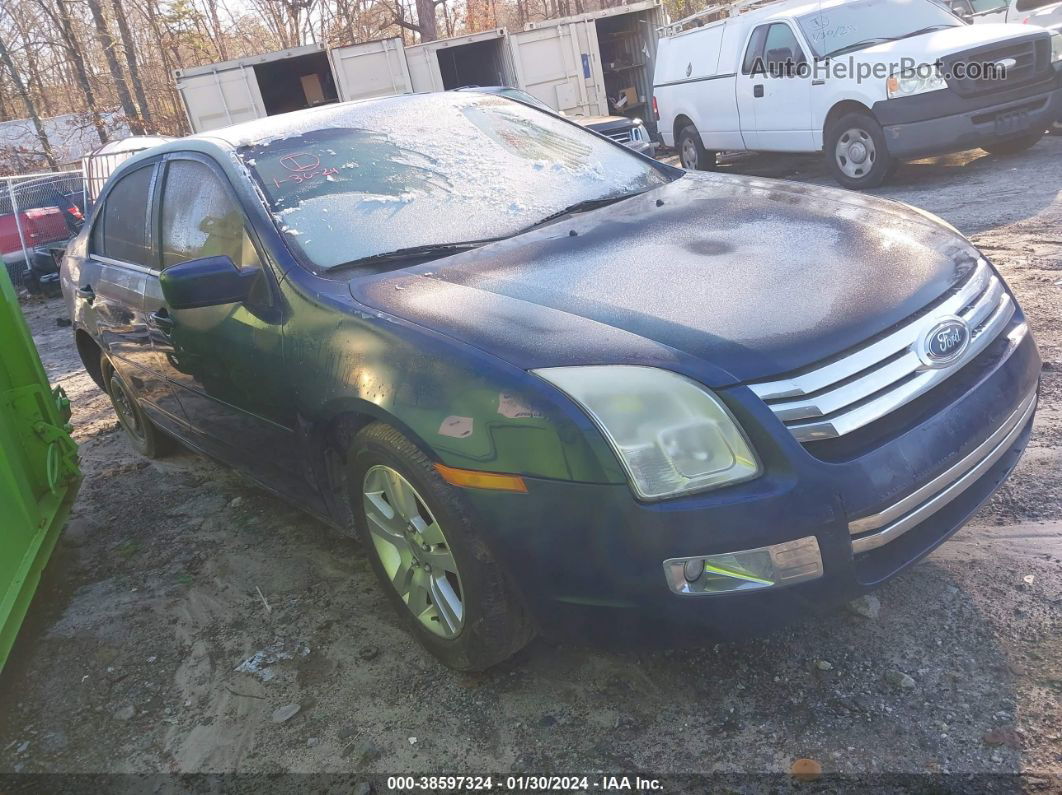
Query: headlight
(1056, 47)
(672, 435)
(909, 84)
(639, 133)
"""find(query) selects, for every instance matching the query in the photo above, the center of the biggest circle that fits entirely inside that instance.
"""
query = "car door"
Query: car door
(781, 93)
(119, 283)
(226, 360)
(749, 86)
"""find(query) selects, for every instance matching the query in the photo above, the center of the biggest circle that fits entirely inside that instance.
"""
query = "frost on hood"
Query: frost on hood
(367, 178)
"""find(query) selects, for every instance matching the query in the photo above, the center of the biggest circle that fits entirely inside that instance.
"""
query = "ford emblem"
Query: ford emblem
(946, 340)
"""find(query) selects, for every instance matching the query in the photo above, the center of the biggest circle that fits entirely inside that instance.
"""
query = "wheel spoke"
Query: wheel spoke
(447, 604)
(400, 495)
(404, 574)
(430, 533)
(382, 517)
(440, 560)
(417, 596)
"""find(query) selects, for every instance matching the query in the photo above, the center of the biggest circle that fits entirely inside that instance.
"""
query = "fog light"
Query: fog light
(746, 570)
(693, 569)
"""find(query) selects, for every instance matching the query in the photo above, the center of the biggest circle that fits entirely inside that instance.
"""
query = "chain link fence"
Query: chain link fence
(39, 213)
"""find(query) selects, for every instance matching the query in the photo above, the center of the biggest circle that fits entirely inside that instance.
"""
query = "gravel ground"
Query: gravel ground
(185, 609)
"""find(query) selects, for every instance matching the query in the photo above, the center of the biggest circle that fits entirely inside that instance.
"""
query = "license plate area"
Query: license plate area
(1012, 122)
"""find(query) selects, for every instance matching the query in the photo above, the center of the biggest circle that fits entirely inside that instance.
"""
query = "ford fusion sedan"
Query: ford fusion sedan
(553, 385)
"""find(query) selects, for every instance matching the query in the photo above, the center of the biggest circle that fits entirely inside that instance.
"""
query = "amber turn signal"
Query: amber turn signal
(470, 479)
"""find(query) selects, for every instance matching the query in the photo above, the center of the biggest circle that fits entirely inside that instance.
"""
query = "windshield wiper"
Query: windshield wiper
(428, 251)
(583, 207)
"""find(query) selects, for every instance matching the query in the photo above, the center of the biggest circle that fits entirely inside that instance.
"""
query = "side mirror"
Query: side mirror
(210, 281)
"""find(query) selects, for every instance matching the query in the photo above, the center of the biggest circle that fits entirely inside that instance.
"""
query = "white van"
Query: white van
(868, 82)
(1045, 13)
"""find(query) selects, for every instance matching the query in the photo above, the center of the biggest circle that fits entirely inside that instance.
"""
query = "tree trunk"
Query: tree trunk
(130, 61)
(77, 60)
(103, 34)
(429, 29)
(31, 108)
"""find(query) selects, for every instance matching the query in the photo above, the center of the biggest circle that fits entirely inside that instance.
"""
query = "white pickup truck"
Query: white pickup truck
(867, 82)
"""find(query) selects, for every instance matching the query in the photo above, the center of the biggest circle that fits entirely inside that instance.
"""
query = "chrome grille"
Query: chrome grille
(844, 394)
(620, 136)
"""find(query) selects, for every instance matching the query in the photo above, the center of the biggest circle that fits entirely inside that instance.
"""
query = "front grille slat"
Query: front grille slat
(866, 384)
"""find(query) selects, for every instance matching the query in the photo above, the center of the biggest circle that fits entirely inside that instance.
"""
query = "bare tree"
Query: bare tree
(60, 17)
(103, 34)
(131, 62)
(27, 100)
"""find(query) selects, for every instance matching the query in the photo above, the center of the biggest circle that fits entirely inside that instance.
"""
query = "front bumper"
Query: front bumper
(940, 122)
(588, 558)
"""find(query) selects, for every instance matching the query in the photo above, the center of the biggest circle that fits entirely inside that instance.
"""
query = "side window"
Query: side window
(121, 233)
(782, 53)
(200, 219)
(755, 50)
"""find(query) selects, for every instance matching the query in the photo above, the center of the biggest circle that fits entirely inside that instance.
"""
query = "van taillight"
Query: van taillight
(656, 110)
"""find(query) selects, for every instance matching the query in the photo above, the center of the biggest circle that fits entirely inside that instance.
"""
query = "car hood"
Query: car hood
(939, 43)
(753, 277)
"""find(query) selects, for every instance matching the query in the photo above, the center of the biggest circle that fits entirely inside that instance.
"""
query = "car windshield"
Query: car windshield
(366, 179)
(849, 26)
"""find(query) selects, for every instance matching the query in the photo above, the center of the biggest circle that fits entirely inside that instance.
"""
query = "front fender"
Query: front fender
(464, 407)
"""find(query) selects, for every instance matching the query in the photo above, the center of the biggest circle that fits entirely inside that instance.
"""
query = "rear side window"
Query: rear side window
(1032, 5)
(200, 218)
(122, 231)
(782, 50)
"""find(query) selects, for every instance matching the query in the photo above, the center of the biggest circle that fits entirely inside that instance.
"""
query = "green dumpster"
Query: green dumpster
(39, 474)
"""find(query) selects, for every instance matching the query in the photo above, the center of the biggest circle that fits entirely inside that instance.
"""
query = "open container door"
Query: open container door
(372, 69)
(559, 63)
(477, 59)
(220, 97)
(39, 474)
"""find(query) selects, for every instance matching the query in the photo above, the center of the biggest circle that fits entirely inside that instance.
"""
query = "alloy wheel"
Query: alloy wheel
(414, 551)
(856, 153)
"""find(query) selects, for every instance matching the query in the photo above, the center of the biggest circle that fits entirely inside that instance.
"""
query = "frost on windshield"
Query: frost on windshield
(371, 178)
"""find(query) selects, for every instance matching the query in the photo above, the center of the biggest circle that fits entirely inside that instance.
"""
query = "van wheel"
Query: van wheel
(692, 154)
(141, 432)
(856, 153)
(1014, 145)
(430, 556)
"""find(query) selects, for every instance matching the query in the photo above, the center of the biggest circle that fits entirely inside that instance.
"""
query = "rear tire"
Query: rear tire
(430, 557)
(141, 432)
(857, 155)
(692, 154)
(1014, 145)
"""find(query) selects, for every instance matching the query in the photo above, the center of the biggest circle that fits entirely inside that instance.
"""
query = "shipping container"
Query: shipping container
(594, 64)
(372, 69)
(478, 59)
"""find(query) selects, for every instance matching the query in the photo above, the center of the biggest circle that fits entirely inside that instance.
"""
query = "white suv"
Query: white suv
(868, 82)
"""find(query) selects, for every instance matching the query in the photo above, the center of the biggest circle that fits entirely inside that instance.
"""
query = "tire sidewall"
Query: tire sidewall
(884, 165)
(143, 445)
(486, 595)
(705, 159)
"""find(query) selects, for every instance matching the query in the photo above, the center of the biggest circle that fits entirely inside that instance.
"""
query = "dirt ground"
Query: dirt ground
(183, 608)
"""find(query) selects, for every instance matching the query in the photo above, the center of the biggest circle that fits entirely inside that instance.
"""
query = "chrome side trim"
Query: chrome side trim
(918, 506)
(847, 393)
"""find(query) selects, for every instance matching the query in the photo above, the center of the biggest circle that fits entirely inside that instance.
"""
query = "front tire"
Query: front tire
(1014, 145)
(141, 432)
(857, 155)
(430, 557)
(692, 154)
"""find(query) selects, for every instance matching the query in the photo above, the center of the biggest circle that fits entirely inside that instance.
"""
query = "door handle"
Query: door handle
(162, 320)
(818, 82)
(757, 90)
(87, 293)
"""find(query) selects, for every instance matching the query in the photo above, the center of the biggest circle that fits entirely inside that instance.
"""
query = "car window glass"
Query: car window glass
(1030, 5)
(781, 50)
(122, 231)
(200, 218)
(755, 49)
